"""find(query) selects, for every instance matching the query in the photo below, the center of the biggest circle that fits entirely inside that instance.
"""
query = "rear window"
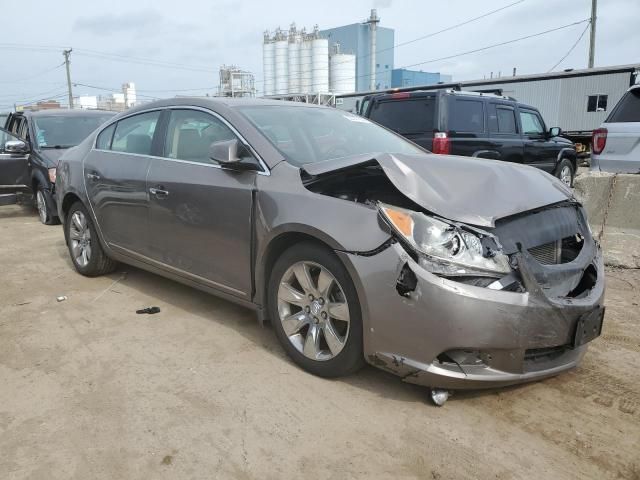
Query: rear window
(466, 116)
(405, 116)
(628, 109)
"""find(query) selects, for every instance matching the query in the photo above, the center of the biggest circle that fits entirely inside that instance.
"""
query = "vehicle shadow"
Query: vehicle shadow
(170, 295)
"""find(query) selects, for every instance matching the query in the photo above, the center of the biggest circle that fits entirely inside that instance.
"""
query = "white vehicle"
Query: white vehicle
(615, 146)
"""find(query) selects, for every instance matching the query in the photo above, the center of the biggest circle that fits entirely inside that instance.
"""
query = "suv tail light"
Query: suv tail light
(441, 143)
(599, 140)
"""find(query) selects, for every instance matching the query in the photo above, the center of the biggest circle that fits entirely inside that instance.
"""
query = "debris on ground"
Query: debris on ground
(61, 298)
(149, 310)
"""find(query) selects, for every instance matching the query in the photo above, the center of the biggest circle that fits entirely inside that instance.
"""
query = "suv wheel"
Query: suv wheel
(315, 311)
(85, 249)
(44, 204)
(566, 172)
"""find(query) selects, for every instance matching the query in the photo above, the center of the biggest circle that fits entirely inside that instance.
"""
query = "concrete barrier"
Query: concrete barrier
(612, 202)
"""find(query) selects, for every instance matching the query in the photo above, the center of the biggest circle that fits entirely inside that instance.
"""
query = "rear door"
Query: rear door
(200, 214)
(413, 117)
(14, 170)
(539, 150)
(622, 150)
(504, 133)
(115, 174)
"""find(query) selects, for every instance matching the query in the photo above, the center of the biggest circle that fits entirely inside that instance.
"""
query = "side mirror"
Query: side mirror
(15, 146)
(230, 153)
(555, 131)
(224, 152)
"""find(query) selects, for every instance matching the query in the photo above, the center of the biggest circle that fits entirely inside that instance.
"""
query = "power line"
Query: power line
(572, 47)
(112, 90)
(26, 79)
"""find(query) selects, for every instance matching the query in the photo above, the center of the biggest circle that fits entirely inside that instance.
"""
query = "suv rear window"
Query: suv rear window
(405, 116)
(628, 109)
(466, 116)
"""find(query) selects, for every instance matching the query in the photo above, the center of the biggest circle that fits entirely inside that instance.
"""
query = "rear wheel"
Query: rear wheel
(45, 206)
(315, 311)
(566, 172)
(85, 249)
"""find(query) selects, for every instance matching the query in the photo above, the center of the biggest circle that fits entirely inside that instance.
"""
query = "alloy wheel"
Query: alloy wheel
(313, 311)
(42, 206)
(80, 237)
(565, 175)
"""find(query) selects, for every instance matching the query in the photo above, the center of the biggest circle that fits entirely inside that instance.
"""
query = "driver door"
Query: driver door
(14, 168)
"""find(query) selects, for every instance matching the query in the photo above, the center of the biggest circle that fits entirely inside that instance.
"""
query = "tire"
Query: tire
(94, 262)
(337, 350)
(566, 172)
(45, 206)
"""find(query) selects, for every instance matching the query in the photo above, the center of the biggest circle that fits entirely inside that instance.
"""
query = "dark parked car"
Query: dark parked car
(358, 245)
(472, 124)
(46, 134)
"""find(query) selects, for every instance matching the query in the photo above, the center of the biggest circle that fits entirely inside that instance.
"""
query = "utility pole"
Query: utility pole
(592, 39)
(66, 54)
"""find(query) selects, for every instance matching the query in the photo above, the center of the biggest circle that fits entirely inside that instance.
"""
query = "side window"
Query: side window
(104, 139)
(14, 125)
(134, 134)
(531, 124)
(191, 132)
(506, 120)
(466, 116)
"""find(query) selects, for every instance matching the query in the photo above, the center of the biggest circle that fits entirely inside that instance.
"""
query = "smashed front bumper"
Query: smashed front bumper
(453, 335)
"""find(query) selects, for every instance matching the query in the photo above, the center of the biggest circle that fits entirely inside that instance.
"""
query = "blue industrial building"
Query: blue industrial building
(401, 77)
(356, 39)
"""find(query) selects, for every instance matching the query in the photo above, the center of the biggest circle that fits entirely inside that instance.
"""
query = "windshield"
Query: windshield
(63, 131)
(310, 134)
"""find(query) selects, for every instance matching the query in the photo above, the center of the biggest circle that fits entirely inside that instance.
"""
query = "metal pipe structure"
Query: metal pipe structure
(373, 27)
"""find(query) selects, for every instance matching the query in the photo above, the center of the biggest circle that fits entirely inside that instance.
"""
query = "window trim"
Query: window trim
(265, 169)
(513, 110)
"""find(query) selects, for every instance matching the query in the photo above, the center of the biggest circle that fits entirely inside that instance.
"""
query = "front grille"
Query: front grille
(547, 254)
(544, 354)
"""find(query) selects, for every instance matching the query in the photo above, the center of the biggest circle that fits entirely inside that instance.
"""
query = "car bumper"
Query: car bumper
(497, 338)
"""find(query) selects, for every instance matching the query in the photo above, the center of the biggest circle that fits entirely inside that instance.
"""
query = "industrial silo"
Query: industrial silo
(319, 63)
(268, 64)
(342, 72)
(281, 63)
(294, 60)
(305, 64)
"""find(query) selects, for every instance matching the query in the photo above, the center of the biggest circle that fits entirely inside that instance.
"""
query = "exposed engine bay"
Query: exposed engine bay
(552, 244)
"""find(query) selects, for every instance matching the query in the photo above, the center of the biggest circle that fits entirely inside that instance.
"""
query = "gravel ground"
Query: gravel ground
(90, 390)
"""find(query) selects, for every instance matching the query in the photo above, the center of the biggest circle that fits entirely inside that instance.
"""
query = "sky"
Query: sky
(172, 48)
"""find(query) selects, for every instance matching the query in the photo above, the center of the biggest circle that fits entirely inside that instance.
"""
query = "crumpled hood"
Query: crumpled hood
(463, 189)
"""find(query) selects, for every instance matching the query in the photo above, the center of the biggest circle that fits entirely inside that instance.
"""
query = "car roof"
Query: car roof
(64, 112)
(213, 102)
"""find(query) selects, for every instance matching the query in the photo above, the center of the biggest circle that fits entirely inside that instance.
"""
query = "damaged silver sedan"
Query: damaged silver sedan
(357, 245)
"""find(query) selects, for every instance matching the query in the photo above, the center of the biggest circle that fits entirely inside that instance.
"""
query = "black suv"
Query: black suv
(41, 137)
(474, 124)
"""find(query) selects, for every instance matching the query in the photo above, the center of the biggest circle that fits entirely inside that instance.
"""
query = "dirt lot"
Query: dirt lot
(90, 390)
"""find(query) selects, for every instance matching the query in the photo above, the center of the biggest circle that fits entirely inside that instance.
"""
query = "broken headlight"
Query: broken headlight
(442, 247)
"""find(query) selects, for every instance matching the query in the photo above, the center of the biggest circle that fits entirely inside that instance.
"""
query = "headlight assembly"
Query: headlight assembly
(444, 248)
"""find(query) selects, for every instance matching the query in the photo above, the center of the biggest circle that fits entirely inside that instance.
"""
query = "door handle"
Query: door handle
(158, 192)
(93, 177)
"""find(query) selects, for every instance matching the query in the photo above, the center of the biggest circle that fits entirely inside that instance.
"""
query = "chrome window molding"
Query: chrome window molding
(265, 169)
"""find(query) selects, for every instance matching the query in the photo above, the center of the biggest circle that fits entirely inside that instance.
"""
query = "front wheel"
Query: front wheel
(566, 172)
(314, 307)
(45, 206)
